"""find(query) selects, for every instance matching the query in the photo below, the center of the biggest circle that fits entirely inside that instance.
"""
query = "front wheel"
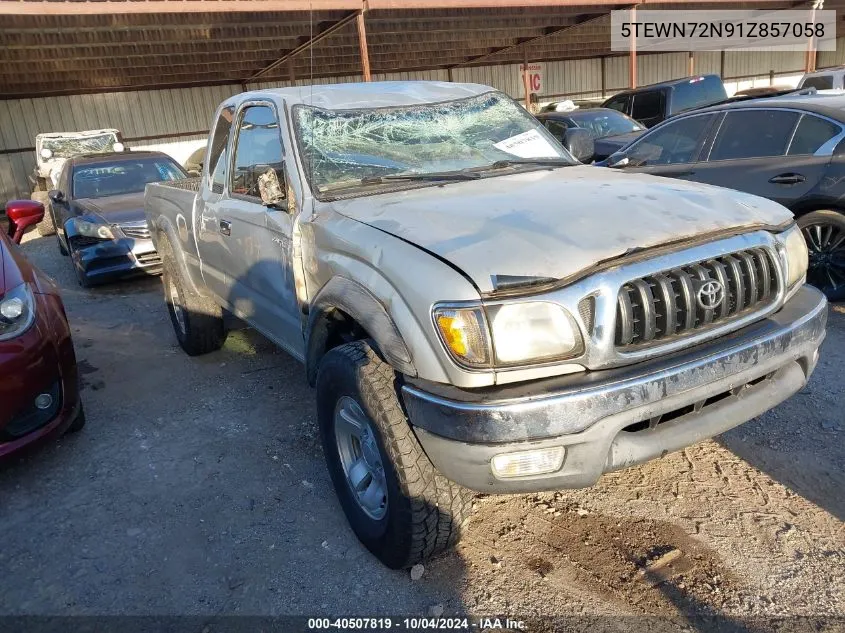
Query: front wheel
(824, 232)
(396, 502)
(197, 321)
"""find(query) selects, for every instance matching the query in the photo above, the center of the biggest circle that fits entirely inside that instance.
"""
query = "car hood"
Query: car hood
(554, 224)
(121, 209)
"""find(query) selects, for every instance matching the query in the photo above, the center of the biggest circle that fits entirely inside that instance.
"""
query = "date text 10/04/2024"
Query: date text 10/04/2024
(417, 624)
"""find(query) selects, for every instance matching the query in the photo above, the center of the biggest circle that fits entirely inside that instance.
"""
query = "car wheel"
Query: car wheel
(824, 232)
(46, 226)
(396, 502)
(197, 321)
(79, 422)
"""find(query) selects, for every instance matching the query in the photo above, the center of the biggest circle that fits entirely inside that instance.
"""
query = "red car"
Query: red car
(39, 389)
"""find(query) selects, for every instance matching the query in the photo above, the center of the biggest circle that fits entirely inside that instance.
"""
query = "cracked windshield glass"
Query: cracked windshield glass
(67, 147)
(342, 148)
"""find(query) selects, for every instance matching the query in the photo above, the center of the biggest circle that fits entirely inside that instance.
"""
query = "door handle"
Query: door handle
(225, 227)
(787, 179)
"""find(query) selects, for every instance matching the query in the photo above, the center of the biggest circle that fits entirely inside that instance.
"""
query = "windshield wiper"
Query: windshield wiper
(443, 175)
(551, 162)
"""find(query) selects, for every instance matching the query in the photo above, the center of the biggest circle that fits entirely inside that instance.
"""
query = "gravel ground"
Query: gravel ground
(198, 487)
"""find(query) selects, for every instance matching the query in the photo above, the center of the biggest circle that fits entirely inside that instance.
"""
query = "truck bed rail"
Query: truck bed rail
(188, 184)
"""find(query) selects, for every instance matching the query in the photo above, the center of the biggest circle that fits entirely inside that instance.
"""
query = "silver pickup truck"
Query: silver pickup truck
(475, 309)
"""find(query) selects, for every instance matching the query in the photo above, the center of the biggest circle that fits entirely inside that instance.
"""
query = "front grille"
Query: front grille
(148, 259)
(666, 305)
(135, 231)
(83, 241)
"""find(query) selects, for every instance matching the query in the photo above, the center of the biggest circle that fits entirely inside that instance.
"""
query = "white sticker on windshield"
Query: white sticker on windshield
(530, 144)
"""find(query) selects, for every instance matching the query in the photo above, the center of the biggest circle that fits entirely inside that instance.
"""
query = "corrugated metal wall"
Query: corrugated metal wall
(164, 119)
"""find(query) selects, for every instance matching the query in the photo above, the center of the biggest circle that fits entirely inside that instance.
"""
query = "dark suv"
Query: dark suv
(652, 104)
(790, 149)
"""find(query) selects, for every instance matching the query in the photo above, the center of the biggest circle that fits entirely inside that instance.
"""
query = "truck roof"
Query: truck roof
(376, 94)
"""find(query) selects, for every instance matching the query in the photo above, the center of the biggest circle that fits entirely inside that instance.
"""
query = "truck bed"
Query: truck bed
(164, 202)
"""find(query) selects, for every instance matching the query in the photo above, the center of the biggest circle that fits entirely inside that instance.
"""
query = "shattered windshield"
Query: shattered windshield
(342, 148)
(67, 147)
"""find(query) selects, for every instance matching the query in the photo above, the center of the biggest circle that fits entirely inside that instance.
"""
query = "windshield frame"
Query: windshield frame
(359, 190)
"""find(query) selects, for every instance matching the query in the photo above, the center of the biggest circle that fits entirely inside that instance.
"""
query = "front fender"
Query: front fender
(360, 304)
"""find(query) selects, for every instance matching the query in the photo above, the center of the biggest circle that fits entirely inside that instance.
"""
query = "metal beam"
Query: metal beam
(306, 45)
(632, 53)
(362, 43)
(528, 42)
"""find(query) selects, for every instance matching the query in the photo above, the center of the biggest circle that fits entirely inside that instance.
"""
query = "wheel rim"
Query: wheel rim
(176, 306)
(826, 249)
(360, 458)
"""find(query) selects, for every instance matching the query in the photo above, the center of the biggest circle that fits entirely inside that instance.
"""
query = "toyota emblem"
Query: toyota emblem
(711, 294)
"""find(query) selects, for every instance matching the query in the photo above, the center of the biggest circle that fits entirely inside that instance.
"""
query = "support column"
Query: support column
(525, 82)
(291, 72)
(691, 64)
(365, 54)
(603, 76)
(810, 65)
(632, 55)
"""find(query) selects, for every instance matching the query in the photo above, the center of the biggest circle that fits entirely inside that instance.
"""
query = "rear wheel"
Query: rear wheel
(396, 502)
(824, 232)
(197, 321)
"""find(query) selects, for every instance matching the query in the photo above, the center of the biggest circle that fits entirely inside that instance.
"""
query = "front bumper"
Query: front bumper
(611, 419)
(41, 360)
(116, 259)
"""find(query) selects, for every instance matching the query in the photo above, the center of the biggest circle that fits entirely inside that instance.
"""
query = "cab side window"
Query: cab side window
(812, 133)
(557, 128)
(678, 141)
(217, 155)
(648, 107)
(618, 103)
(819, 82)
(754, 133)
(258, 148)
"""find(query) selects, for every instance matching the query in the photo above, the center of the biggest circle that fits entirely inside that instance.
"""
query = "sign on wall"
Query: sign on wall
(535, 78)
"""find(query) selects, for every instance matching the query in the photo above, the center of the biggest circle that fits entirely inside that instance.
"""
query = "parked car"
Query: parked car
(54, 148)
(39, 392)
(475, 309)
(789, 149)
(98, 210)
(609, 129)
(652, 104)
(827, 79)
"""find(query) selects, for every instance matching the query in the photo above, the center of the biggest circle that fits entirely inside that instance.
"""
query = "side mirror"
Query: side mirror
(46, 153)
(271, 188)
(55, 195)
(580, 144)
(618, 160)
(22, 214)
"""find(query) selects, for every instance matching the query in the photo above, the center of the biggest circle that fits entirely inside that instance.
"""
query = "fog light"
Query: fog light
(536, 462)
(43, 401)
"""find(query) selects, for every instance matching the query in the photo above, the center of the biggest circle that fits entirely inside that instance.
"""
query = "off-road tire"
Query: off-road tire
(425, 511)
(204, 329)
(836, 221)
(46, 226)
(79, 422)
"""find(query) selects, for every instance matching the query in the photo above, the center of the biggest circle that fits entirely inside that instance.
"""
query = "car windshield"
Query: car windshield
(115, 178)
(342, 148)
(604, 122)
(67, 147)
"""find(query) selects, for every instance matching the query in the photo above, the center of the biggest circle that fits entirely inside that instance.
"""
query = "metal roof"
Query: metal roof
(75, 46)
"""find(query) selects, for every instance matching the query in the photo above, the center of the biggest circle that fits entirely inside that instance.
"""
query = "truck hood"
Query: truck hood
(554, 224)
(128, 207)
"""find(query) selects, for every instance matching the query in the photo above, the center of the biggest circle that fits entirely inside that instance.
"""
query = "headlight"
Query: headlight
(533, 332)
(17, 312)
(793, 255)
(464, 334)
(89, 229)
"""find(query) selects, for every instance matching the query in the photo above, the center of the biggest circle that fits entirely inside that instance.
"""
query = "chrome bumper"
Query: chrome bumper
(611, 419)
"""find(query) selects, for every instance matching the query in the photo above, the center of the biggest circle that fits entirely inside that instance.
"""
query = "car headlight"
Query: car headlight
(794, 255)
(17, 312)
(463, 332)
(533, 332)
(521, 333)
(90, 229)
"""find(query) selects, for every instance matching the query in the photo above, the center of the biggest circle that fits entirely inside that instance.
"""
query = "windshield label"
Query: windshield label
(530, 144)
